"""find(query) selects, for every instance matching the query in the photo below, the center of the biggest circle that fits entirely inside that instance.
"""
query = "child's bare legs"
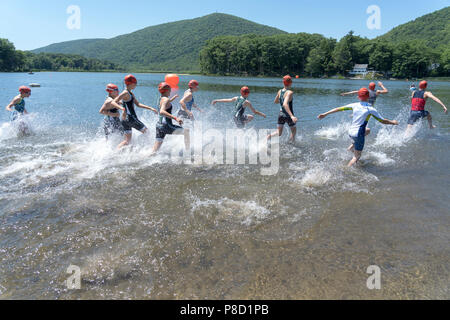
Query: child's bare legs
(249, 118)
(156, 147)
(430, 121)
(125, 142)
(293, 133)
(187, 141)
(128, 139)
(279, 132)
(356, 157)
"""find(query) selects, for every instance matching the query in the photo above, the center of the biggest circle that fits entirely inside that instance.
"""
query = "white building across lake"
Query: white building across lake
(361, 69)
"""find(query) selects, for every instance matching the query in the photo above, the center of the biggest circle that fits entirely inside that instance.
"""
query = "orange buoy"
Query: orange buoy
(297, 76)
(172, 80)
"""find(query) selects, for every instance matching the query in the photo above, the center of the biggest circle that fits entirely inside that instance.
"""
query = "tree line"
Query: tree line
(316, 56)
(12, 60)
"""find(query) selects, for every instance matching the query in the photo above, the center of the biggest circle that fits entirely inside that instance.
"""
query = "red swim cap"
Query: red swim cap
(193, 84)
(423, 85)
(24, 89)
(372, 86)
(363, 93)
(112, 87)
(163, 87)
(130, 79)
(287, 80)
(245, 91)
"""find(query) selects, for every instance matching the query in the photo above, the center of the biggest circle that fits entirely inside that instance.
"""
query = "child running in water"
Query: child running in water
(285, 97)
(110, 109)
(129, 117)
(418, 101)
(362, 111)
(17, 107)
(373, 94)
(165, 125)
(240, 118)
(187, 102)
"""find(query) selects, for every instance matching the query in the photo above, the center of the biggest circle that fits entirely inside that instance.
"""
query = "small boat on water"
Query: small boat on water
(31, 72)
(35, 85)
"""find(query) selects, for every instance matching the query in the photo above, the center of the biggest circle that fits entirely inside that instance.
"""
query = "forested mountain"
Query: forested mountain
(171, 46)
(433, 29)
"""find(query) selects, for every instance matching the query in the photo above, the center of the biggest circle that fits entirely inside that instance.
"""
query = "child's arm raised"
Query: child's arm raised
(348, 93)
(249, 104)
(383, 87)
(173, 98)
(380, 119)
(277, 98)
(323, 115)
(143, 106)
(224, 100)
(430, 95)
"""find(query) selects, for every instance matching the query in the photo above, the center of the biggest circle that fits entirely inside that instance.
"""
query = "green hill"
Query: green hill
(171, 46)
(433, 28)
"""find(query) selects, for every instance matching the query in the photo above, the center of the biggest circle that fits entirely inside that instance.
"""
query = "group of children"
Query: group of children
(126, 101)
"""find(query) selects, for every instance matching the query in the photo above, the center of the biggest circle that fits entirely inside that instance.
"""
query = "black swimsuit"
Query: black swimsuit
(284, 117)
(132, 120)
(165, 125)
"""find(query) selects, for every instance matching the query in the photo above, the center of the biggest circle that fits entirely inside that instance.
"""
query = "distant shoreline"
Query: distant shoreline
(445, 79)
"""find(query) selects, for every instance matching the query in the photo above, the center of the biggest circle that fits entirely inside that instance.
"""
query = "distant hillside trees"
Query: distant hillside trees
(10, 59)
(16, 60)
(65, 62)
(445, 59)
(433, 29)
(316, 56)
(258, 55)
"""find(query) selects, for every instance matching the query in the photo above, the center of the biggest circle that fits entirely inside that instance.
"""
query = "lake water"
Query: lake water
(155, 228)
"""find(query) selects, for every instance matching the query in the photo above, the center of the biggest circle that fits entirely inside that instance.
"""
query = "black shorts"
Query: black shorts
(416, 115)
(164, 129)
(241, 121)
(283, 118)
(132, 122)
(112, 125)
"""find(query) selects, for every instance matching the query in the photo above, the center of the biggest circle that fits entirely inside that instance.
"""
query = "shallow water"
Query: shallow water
(154, 228)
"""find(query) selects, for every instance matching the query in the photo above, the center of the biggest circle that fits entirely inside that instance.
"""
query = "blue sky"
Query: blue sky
(33, 24)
